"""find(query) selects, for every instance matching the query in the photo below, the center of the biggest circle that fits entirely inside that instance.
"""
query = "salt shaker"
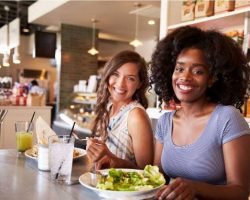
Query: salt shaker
(43, 157)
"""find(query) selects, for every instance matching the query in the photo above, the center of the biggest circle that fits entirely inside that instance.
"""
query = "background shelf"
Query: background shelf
(217, 21)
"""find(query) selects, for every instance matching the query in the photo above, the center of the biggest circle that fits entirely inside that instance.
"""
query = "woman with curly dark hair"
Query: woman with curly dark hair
(205, 145)
(121, 120)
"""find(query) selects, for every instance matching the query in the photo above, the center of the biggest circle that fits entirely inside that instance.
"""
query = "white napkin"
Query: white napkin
(43, 131)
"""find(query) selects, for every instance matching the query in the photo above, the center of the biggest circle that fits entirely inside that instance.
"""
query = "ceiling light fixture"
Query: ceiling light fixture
(16, 59)
(6, 60)
(16, 56)
(151, 22)
(6, 56)
(136, 42)
(26, 30)
(93, 51)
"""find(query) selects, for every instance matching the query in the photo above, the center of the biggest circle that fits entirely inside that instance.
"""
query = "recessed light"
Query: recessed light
(151, 22)
(26, 30)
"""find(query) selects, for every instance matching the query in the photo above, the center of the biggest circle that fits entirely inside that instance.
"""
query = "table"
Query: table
(21, 179)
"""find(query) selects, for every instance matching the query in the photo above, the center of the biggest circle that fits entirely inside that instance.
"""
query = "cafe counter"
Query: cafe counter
(19, 113)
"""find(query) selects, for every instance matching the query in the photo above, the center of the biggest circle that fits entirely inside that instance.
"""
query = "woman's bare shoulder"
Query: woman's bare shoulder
(138, 113)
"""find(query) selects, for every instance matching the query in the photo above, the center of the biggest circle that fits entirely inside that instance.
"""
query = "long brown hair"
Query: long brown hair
(102, 113)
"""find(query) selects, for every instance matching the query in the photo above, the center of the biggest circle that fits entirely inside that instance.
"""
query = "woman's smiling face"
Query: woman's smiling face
(190, 78)
(124, 82)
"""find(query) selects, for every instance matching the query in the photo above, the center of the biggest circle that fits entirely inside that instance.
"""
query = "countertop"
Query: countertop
(20, 179)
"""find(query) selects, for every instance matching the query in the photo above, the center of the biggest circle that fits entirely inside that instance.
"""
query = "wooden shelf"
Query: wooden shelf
(218, 21)
(84, 101)
(84, 98)
(85, 94)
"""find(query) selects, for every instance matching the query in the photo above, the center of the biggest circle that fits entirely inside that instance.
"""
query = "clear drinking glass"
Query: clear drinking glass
(61, 157)
(24, 135)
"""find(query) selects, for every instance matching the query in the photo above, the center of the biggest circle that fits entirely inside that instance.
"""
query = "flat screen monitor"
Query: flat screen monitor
(45, 44)
(36, 74)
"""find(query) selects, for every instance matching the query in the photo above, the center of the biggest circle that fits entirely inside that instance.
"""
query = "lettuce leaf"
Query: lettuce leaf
(120, 180)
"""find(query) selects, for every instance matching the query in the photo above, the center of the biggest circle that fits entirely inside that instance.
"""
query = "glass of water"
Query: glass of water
(61, 157)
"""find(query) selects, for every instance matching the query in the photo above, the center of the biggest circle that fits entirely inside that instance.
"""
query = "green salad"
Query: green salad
(120, 180)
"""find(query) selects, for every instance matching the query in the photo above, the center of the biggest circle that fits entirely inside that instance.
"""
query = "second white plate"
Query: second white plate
(82, 152)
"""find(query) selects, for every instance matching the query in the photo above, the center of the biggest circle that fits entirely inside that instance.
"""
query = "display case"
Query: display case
(5, 91)
(80, 110)
(82, 107)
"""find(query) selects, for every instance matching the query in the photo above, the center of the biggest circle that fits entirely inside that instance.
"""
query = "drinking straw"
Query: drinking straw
(31, 121)
(71, 132)
(3, 115)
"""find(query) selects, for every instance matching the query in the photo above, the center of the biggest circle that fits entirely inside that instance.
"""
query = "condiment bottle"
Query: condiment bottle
(43, 157)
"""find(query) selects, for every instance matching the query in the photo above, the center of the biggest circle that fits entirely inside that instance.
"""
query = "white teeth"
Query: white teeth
(184, 87)
(119, 91)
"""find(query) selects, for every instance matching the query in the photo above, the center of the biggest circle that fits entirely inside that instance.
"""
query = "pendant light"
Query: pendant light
(16, 59)
(6, 60)
(16, 56)
(93, 51)
(136, 42)
(6, 56)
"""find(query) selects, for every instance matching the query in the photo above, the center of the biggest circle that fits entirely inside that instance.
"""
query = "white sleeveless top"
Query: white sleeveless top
(119, 141)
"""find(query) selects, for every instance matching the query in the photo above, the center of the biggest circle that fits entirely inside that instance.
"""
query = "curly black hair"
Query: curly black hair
(227, 65)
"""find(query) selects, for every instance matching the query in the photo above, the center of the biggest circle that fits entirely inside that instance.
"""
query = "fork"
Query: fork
(95, 174)
(76, 136)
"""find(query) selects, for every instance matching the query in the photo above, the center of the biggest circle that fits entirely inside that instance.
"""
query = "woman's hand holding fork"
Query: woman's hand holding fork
(99, 153)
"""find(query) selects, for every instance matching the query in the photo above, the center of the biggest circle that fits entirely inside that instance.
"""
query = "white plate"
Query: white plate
(28, 153)
(82, 152)
(86, 180)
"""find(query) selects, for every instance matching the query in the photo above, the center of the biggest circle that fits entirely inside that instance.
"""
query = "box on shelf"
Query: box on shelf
(241, 3)
(223, 5)
(204, 8)
(5, 102)
(35, 99)
(187, 11)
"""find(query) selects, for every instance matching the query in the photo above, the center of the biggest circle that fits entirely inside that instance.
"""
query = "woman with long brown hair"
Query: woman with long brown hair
(121, 120)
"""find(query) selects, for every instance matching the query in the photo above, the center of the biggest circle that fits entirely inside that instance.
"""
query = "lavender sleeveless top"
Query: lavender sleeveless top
(203, 159)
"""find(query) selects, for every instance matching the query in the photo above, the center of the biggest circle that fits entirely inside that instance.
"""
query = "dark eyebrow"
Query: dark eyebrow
(131, 75)
(179, 62)
(199, 65)
(194, 65)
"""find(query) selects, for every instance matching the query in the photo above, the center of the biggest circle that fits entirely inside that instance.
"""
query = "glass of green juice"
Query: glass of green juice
(24, 136)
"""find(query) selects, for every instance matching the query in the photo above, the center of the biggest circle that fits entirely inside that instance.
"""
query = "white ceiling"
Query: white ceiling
(115, 18)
